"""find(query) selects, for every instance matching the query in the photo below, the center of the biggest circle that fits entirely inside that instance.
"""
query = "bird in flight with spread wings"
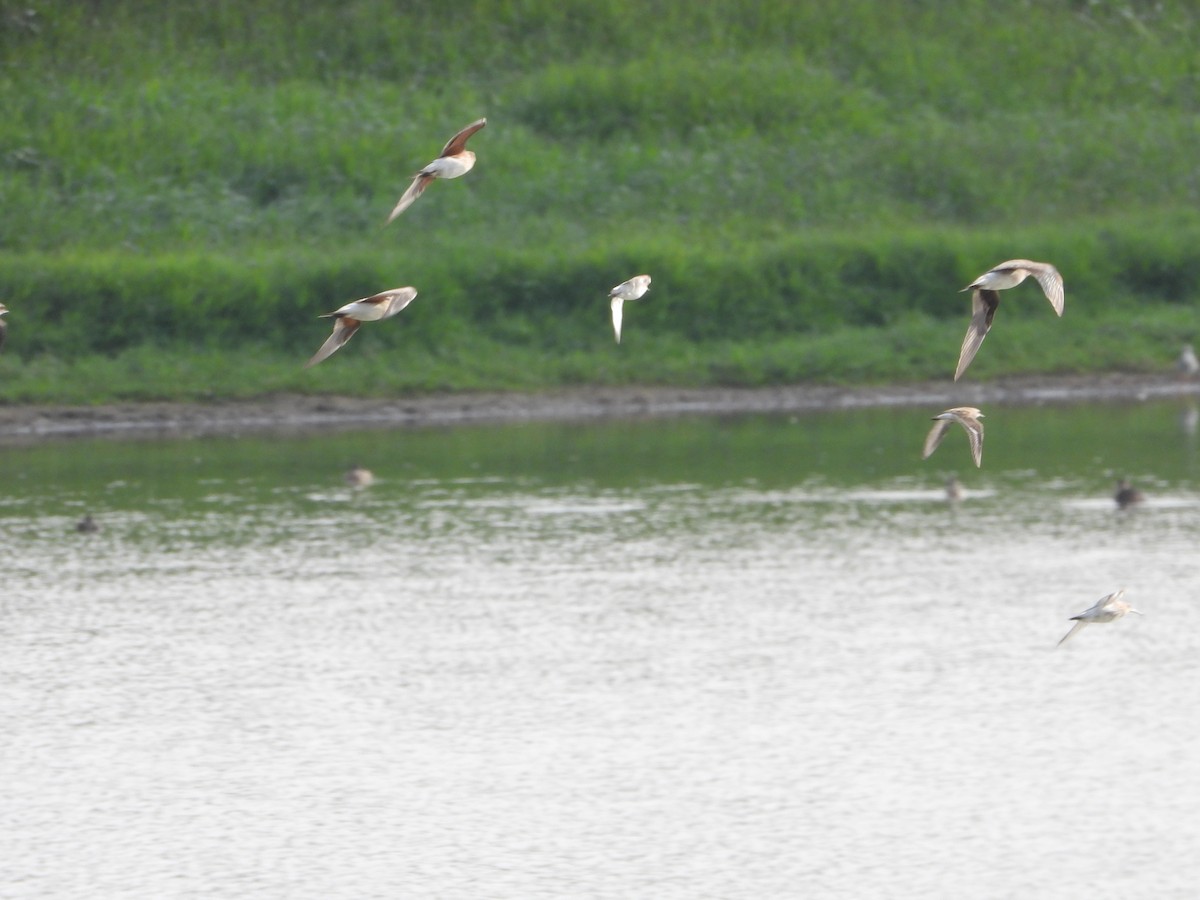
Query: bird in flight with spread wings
(454, 160)
(985, 298)
(633, 289)
(1104, 610)
(966, 416)
(347, 319)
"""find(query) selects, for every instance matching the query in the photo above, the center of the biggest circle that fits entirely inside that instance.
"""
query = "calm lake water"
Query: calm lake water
(695, 658)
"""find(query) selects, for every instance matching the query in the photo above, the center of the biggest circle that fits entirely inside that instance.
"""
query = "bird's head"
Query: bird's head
(1128, 608)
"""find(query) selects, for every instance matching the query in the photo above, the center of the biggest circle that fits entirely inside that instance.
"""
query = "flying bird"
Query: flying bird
(985, 298)
(1105, 610)
(966, 416)
(454, 160)
(3, 325)
(633, 289)
(348, 318)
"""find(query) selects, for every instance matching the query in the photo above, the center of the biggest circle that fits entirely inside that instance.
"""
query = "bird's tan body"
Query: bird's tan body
(348, 318)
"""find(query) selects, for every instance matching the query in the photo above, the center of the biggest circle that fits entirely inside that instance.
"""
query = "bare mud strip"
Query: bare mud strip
(299, 414)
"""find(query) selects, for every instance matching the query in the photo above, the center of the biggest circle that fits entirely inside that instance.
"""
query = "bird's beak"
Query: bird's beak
(1132, 610)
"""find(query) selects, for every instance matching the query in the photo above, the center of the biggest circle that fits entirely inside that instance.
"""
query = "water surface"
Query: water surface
(741, 657)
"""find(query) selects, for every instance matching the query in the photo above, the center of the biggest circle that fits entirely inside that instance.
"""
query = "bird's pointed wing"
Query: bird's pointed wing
(983, 310)
(394, 300)
(1074, 628)
(974, 429)
(936, 433)
(458, 143)
(343, 330)
(414, 191)
(617, 303)
(1052, 285)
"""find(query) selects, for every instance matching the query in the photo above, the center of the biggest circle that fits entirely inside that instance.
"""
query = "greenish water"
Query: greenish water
(1087, 446)
(752, 657)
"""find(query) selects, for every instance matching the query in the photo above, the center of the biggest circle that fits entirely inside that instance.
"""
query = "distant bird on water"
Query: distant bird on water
(954, 490)
(358, 477)
(1105, 610)
(985, 298)
(633, 289)
(3, 325)
(87, 525)
(1127, 495)
(454, 160)
(348, 318)
(1187, 364)
(966, 416)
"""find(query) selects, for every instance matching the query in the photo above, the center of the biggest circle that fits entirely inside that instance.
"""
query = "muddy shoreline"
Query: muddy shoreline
(301, 414)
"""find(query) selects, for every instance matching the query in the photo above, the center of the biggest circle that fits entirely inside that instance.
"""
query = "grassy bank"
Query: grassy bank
(915, 347)
(185, 189)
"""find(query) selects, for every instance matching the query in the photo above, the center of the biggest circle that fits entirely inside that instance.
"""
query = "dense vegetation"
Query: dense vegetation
(186, 186)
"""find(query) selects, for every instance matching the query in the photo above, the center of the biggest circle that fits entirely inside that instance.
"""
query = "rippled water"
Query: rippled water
(698, 658)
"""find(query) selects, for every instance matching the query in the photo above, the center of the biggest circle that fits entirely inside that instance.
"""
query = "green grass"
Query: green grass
(194, 184)
(916, 347)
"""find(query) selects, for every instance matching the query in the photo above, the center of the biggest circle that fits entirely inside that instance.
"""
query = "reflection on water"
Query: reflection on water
(702, 658)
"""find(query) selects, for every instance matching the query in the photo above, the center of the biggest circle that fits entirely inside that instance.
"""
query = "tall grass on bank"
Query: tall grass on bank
(325, 174)
(554, 299)
(166, 126)
(199, 181)
(842, 309)
(915, 347)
